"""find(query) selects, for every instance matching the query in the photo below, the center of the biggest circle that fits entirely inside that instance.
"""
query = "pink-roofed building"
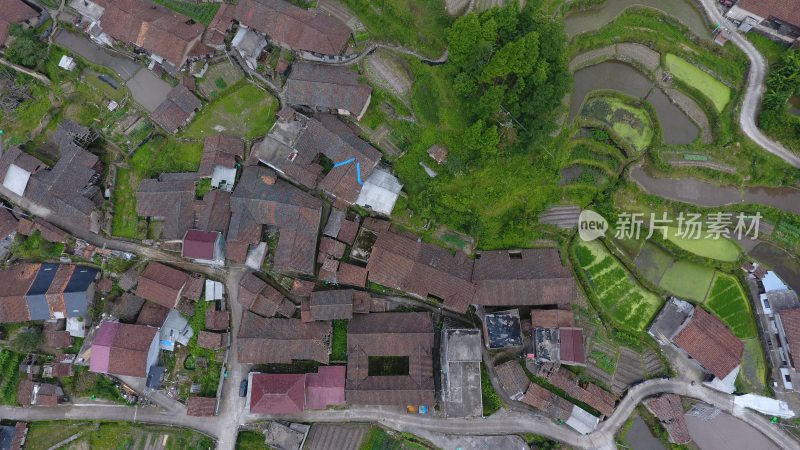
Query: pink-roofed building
(124, 349)
(326, 387)
(204, 247)
(271, 393)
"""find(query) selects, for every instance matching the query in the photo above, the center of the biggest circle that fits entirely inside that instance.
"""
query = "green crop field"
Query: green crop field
(247, 112)
(629, 122)
(718, 93)
(720, 249)
(617, 294)
(728, 301)
(687, 280)
(753, 375)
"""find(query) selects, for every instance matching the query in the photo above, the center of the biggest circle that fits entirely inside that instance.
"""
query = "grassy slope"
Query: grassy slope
(419, 24)
(770, 49)
(247, 112)
(157, 156)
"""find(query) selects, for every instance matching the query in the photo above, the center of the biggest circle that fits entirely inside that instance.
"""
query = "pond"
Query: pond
(585, 21)
(677, 127)
(702, 193)
(640, 438)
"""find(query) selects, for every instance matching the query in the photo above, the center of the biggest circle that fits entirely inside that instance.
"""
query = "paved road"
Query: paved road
(506, 423)
(755, 89)
(118, 413)
(122, 66)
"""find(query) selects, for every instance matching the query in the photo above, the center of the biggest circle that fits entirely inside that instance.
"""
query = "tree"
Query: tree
(27, 340)
(479, 141)
(27, 49)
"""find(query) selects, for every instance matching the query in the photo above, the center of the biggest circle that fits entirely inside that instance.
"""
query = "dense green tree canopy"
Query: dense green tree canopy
(510, 70)
(26, 50)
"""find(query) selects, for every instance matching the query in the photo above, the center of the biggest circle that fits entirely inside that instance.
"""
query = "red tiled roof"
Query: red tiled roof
(278, 341)
(571, 345)
(261, 199)
(199, 244)
(551, 318)
(14, 284)
(272, 393)
(178, 108)
(217, 320)
(785, 10)
(348, 232)
(105, 285)
(326, 387)
(390, 334)
(512, 377)
(302, 288)
(57, 339)
(790, 321)
(525, 277)
(332, 247)
(331, 305)
(351, 275)
(329, 87)
(538, 397)
(201, 407)
(161, 284)
(706, 339)
(593, 395)
(669, 411)
(220, 150)
(122, 349)
(194, 287)
(8, 223)
(208, 339)
(152, 27)
(438, 153)
(297, 28)
(422, 269)
(11, 12)
(152, 315)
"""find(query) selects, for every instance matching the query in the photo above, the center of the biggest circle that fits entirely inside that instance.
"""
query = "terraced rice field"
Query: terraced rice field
(720, 249)
(684, 279)
(616, 292)
(728, 301)
(687, 280)
(618, 366)
(683, 70)
(632, 124)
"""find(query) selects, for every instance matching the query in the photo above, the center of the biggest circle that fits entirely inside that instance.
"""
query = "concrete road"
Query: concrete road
(755, 88)
(122, 66)
(120, 413)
